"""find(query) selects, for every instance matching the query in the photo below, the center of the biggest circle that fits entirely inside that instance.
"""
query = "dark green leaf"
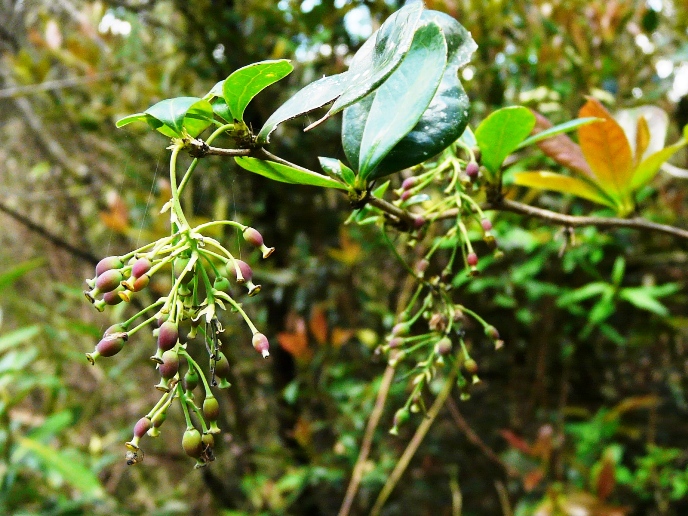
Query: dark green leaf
(286, 174)
(446, 117)
(313, 96)
(501, 133)
(245, 83)
(380, 55)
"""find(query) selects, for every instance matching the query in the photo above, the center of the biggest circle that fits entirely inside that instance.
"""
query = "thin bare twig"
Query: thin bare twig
(415, 442)
(58, 241)
(367, 443)
(574, 220)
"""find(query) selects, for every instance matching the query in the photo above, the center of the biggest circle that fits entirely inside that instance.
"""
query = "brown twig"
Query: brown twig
(475, 438)
(58, 241)
(367, 443)
(415, 442)
(574, 220)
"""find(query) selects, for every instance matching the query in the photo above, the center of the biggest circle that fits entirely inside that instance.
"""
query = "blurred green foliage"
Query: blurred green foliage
(594, 322)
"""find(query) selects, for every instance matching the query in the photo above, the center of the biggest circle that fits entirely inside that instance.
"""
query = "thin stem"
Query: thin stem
(415, 442)
(199, 146)
(183, 401)
(176, 206)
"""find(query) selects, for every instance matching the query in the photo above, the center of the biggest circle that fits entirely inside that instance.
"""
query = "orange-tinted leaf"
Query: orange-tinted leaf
(116, 217)
(515, 441)
(303, 432)
(606, 479)
(340, 336)
(542, 448)
(606, 150)
(561, 148)
(318, 325)
(296, 343)
(642, 139)
(649, 167)
(564, 184)
(532, 479)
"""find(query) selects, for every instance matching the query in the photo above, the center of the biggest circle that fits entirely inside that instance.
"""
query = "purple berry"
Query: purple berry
(170, 364)
(472, 259)
(472, 170)
(140, 267)
(443, 346)
(418, 221)
(244, 267)
(109, 280)
(142, 426)
(106, 264)
(409, 183)
(113, 298)
(253, 237)
(110, 345)
(261, 344)
(168, 334)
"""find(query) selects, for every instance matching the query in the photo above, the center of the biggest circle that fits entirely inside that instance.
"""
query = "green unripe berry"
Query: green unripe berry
(192, 442)
(222, 369)
(191, 379)
(211, 408)
(221, 283)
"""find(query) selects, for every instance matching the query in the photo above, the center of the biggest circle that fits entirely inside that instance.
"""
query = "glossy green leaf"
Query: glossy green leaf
(403, 98)
(221, 109)
(172, 116)
(501, 133)
(16, 337)
(557, 129)
(337, 169)
(564, 184)
(73, 472)
(380, 55)
(286, 174)
(241, 86)
(177, 114)
(313, 96)
(648, 168)
(442, 122)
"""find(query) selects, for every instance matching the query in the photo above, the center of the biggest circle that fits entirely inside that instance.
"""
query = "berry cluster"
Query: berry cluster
(203, 272)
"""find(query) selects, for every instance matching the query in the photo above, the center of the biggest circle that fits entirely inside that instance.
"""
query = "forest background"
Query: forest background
(577, 410)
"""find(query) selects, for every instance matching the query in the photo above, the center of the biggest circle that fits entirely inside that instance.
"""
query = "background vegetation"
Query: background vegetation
(586, 402)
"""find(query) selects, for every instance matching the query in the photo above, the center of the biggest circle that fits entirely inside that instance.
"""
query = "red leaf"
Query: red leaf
(561, 148)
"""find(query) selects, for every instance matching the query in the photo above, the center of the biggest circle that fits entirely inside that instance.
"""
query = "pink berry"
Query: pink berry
(253, 237)
(472, 259)
(472, 170)
(486, 224)
(261, 344)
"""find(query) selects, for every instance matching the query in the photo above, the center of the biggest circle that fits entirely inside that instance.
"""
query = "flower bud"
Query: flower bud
(170, 364)
(140, 267)
(261, 344)
(192, 442)
(168, 335)
(108, 263)
(109, 280)
(211, 408)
